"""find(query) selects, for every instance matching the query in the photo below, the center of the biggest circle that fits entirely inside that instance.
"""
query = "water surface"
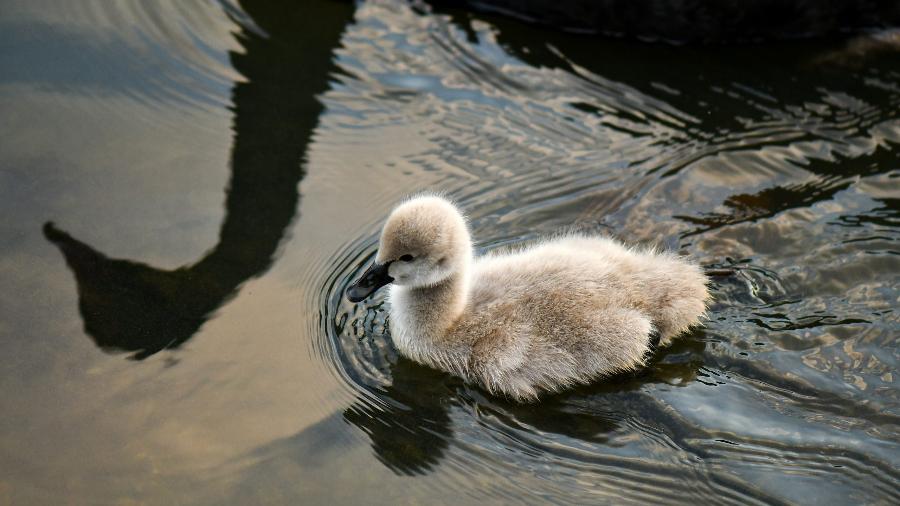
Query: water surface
(216, 175)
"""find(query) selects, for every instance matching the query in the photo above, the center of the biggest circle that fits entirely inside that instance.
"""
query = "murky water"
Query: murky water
(157, 349)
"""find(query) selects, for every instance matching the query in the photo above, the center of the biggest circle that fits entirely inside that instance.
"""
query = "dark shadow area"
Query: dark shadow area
(723, 94)
(133, 307)
(410, 425)
(693, 21)
(794, 71)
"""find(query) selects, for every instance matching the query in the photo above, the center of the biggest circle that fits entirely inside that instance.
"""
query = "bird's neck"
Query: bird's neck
(421, 316)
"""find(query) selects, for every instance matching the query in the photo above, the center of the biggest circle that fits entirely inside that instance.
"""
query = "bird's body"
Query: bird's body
(565, 311)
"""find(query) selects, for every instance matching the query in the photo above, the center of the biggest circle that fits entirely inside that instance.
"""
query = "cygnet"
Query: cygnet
(564, 311)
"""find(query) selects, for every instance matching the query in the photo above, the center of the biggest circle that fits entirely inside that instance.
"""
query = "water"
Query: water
(157, 349)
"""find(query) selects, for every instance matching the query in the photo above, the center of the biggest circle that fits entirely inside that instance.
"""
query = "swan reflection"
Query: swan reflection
(285, 59)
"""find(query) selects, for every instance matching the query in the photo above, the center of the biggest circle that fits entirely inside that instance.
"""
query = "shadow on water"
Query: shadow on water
(133, 307)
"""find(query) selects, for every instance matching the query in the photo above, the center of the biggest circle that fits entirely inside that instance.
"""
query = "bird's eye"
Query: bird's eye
(406, 258)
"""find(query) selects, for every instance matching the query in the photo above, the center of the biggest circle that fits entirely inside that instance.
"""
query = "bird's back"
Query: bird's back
(570, 309)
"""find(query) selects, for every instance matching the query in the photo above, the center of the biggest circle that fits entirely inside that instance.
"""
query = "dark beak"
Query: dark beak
(374, 278)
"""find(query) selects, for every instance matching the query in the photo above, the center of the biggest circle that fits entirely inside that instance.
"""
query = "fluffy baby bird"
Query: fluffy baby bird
(559, 313)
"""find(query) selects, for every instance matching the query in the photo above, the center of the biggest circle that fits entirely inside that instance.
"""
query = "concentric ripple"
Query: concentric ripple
(784, 187)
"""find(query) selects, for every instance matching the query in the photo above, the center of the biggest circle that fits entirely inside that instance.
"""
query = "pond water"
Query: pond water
(216, 174)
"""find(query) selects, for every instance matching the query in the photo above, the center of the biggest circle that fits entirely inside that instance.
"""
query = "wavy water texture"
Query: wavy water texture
(219, 172)
(793, 374)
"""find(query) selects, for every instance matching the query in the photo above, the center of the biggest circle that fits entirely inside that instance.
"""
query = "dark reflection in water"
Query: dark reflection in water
(410, 430)
(133, 307)
(722, 21)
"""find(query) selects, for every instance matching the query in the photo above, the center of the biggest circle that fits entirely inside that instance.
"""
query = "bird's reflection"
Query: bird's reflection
(410, 427)
(134, 307)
